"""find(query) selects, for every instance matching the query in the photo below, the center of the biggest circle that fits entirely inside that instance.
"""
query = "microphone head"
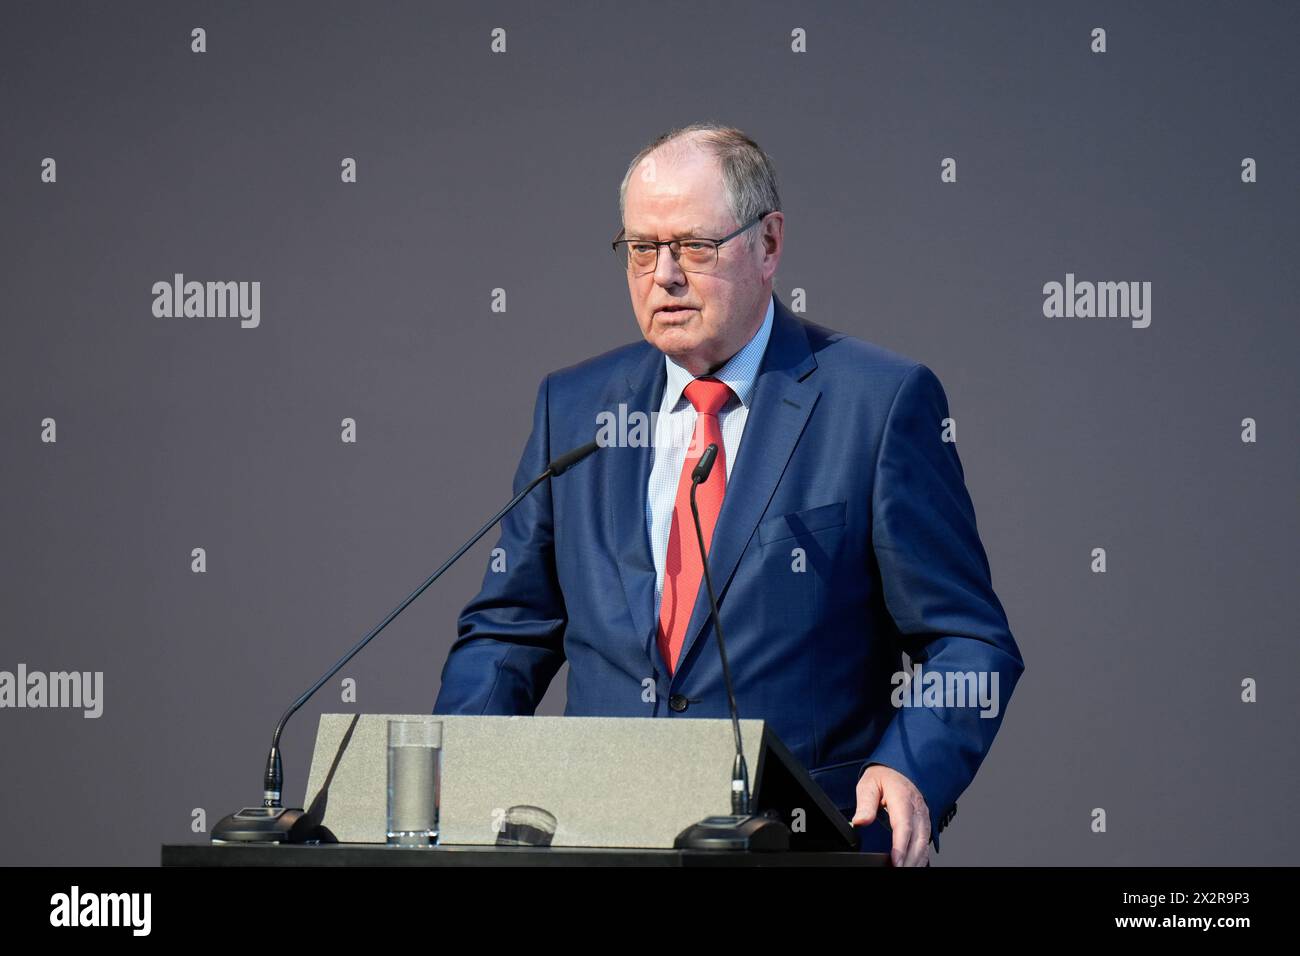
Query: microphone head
(705, 465)
(570, 458)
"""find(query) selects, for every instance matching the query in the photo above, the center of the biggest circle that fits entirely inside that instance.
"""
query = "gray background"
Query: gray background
(480, 171)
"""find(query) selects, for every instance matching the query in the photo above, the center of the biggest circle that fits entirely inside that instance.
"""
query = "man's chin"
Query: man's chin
(675, 343)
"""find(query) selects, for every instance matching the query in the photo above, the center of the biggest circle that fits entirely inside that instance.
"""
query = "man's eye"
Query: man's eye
(641, 248)
(694, 246)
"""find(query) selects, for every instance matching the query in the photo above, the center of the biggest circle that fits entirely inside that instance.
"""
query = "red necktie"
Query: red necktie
(683, 569)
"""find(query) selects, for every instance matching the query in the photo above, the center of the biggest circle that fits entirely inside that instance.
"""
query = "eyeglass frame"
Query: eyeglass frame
(717, 244)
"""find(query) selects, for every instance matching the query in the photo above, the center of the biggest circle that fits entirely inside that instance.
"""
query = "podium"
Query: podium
(620, 790)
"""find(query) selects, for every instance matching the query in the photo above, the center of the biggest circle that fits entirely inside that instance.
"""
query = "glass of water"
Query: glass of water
(414, 781)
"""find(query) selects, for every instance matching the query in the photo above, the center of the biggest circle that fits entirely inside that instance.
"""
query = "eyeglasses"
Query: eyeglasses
(641, 256)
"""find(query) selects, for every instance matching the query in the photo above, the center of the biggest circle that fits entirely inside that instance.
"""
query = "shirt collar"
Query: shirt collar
(739, 373)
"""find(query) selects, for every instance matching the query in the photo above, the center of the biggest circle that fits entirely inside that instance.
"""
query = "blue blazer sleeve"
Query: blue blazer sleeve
(511, 635)
(937, 588)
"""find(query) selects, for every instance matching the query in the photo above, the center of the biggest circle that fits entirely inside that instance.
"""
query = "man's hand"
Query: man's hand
(909, 817)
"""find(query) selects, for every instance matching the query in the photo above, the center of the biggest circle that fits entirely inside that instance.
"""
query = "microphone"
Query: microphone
(740, 770)
(570, 458)
(272, 822)
(743, 830)
(700, 475)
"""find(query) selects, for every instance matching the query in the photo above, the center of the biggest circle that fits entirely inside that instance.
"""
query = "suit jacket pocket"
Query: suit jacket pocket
(801, 522)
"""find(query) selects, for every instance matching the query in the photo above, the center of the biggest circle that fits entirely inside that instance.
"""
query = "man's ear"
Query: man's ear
(772, 239)
(773, 236)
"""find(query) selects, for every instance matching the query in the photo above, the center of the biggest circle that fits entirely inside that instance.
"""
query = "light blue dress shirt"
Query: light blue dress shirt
(674, 427)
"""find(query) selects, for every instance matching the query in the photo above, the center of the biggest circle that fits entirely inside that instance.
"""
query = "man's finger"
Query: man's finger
(868, 802)
(920, 848)
(903, 830)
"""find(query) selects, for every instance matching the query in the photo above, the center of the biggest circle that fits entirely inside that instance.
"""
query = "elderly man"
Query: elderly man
(840, 534)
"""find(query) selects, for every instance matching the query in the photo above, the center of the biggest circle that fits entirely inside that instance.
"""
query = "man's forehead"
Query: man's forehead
(640, 229)
(684, 197)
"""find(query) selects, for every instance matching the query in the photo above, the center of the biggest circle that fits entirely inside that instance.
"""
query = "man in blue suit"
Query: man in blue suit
(842, 541)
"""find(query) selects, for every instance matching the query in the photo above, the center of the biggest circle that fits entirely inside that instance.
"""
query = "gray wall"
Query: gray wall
(480, 171)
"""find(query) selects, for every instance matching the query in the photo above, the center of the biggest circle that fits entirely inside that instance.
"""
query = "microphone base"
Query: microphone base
(761, 832)
(267, 825)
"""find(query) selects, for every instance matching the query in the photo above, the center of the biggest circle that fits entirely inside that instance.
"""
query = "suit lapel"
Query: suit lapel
(778, 412)
(626, 477)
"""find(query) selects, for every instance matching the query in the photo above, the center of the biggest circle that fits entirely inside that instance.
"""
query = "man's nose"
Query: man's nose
(668, 272)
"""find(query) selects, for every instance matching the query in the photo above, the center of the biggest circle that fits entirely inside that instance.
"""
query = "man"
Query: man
(840, 534)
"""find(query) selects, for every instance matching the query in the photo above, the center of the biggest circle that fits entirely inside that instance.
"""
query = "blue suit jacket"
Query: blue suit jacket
(841, 463)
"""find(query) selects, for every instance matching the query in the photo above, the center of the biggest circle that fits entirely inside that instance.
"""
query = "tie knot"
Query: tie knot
(708, 395)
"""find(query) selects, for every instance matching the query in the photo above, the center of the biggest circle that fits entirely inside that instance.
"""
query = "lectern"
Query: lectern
(620, 790)
(608, 781)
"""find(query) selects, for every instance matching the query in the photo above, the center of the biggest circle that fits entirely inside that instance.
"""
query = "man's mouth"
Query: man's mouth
(674, 310)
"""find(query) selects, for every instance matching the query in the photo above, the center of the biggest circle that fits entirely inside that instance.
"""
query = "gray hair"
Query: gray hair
(747, 171)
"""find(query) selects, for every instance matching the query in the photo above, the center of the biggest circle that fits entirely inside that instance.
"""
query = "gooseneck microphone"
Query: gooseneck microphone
(739, 770)
(743, 830)
(271, 822)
